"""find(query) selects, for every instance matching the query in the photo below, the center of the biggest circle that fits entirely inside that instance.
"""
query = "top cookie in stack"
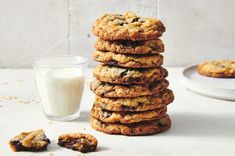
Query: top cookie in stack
(128, 27)
(130, 86)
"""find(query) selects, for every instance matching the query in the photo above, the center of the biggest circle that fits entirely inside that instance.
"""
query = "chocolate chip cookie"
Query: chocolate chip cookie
(127, 27)
(129, 61)
(126, 117)
(130, 47)
(218, 69)
(78, 142)
(30, 141)
(118, 90)
(142, 103)
(132, 129)
(120, 75)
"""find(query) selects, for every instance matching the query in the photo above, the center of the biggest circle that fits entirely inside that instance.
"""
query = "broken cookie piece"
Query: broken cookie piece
(78, 142)
(30, 141)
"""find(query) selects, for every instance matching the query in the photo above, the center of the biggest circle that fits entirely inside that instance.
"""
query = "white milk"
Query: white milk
(60, 90)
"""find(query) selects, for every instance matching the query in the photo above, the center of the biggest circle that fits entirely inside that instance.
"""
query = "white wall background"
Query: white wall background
(196, 30)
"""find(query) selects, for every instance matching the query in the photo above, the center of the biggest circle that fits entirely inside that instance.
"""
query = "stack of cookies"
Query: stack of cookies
(130, 86)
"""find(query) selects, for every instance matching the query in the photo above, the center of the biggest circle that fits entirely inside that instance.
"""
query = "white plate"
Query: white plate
(221, 88)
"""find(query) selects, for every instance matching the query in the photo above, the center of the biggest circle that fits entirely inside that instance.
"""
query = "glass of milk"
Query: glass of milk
(60, 81)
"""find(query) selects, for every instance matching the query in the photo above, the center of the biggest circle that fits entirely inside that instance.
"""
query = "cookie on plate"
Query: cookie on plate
(129, 61)
(140, 128)
(126, 117)
(30, 141)
(120, 75)
(142, 103)
(218, 69)
(130, 47)
(118, 90)
(127, 27)
(78, 142)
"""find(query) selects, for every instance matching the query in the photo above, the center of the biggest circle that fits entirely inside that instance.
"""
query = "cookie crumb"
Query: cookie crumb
(50, 154)
(1, 106)
(5, 83)
(20, 81)
(11, 98)
(26, 102)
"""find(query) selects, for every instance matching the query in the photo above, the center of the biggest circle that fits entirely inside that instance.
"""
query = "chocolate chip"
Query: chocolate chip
(140, 104)
(133, 80)
(161, 28)
(135, 19)
(106, 113)
(153, 45)
(112, 63)
(126, 85)
(17, 144)
(129, 44)
(127, 108)
(122, 23)
(123, 73)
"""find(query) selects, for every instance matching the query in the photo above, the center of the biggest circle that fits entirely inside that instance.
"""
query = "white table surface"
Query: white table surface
(200, 125)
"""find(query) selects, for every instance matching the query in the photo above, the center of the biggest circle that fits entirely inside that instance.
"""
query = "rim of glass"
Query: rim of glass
(36, 62)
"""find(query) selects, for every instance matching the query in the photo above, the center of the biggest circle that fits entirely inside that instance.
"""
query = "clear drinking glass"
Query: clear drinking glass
(60, 81)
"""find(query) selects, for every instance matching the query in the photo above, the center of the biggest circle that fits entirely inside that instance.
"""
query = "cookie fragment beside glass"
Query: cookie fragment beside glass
(30, 141)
